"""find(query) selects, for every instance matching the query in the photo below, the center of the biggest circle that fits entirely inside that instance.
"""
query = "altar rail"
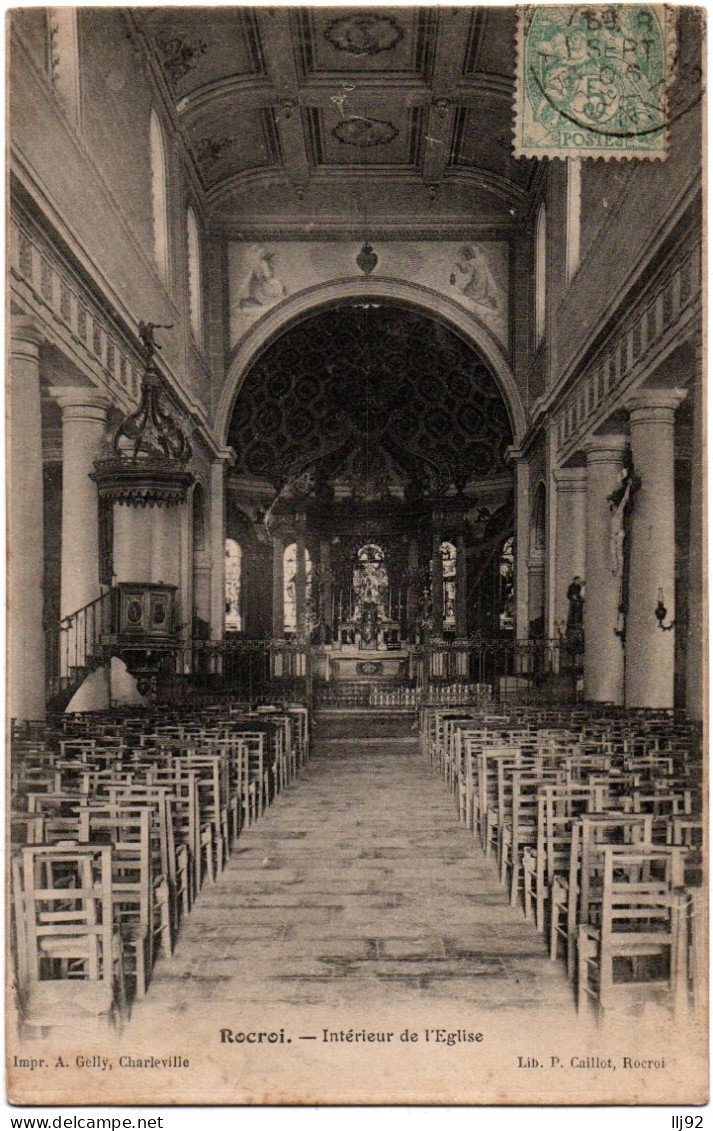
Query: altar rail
(514, 671)
(518, 671)
(250, 668)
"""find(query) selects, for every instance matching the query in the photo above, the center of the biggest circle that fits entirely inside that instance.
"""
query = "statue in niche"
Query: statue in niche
(261, 287)
(473, 278)
(370, 582)
(575, 596)
(574, 631)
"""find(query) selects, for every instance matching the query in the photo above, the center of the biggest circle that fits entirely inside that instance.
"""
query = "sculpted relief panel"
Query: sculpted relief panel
(475, 275)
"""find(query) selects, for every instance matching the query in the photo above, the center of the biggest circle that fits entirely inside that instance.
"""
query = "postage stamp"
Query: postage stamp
(592, 81)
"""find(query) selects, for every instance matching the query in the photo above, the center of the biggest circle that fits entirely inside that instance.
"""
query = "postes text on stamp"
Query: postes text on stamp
(592, 81)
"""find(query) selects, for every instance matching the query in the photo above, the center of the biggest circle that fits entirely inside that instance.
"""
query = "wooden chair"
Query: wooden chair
(638, 942)
(574, 895)
(69, 955)
(140, 889)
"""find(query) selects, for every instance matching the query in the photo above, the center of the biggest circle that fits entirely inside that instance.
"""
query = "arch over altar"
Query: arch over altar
(277, 320)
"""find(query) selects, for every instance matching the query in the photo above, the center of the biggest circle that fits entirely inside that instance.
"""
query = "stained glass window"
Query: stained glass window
(540, 274)
(290, 588)
(158, 195)
(448, 554)
(195, 296)
(506, 609)
(233, 586)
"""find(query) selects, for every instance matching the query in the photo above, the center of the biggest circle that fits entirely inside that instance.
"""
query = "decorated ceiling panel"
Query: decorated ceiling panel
(389, 94)
(476, 147)
(387, 40)
(197, 47)
(224, 147)
(366, 138)
(401, 390)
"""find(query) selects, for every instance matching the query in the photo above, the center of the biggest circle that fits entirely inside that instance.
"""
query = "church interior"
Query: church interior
(355, 522)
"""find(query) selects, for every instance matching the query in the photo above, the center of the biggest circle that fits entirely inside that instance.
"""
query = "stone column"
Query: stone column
(649, 650)
(603, 649)
(278, 586)
(522, 541)
(132, 543)
(411, 592)
(301, 582)
(217, 545)
(536, 589)
(26, 527)
(461, 588)
(570, 542)
(437, 585)
(84, 414)
(695, 682)
(166, 544)
(325, 557)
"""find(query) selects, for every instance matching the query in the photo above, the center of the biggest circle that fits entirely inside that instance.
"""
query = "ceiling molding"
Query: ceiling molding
(443, 227)
(256, 90)
(277, 47)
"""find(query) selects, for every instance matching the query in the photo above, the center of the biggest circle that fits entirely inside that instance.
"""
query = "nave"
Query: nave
(188, 879)
(359, 887)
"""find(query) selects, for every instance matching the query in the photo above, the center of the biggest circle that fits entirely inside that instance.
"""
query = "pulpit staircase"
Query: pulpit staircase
(75, 647)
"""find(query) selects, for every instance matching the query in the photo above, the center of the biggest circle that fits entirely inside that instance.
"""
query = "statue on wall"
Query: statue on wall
(148, 338)
(261, 287)
(472, 276)
(621, 502)
(574, 632)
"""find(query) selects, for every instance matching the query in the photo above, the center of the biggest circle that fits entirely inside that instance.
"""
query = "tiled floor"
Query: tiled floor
(358, 886)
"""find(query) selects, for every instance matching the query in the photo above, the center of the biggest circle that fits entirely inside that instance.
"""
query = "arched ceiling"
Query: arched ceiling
(283, 106)
(381, 397)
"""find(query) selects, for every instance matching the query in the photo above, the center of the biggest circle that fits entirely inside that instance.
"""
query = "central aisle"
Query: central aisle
(358, 886)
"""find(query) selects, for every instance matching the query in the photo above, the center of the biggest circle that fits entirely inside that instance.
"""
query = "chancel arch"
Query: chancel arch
(463, 322)
(376, 437)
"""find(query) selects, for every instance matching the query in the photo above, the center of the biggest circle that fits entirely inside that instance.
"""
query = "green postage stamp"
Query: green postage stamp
(592, 81)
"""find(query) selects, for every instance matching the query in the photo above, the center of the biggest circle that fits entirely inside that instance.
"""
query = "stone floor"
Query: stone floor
(358, 886)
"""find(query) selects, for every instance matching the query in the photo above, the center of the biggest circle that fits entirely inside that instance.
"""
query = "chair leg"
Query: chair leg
(586, 950)
(514, 878)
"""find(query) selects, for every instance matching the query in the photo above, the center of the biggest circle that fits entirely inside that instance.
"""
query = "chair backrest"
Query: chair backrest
(67, 913)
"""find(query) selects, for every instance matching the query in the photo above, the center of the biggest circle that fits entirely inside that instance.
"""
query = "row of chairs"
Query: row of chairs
(594, 821)
(118, 821)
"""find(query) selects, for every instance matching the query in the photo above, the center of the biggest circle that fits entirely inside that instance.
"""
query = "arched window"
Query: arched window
(506, 573)
(233, 586)
(290, 585)
(574, 210)
(540, 273)
(448, 554)
(195, 282)
(159, 199)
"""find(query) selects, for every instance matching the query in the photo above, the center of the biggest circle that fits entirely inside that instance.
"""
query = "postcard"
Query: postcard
(357, 563)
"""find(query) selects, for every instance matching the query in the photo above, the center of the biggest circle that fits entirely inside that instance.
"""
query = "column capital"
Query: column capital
(25, 329)
(605, 449)
(80, 403)
(655, 406)
(570, 479)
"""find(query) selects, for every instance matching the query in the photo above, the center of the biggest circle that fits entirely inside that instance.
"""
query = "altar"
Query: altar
(368, 666)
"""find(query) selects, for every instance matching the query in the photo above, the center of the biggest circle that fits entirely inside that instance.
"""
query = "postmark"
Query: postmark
(593, 81)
